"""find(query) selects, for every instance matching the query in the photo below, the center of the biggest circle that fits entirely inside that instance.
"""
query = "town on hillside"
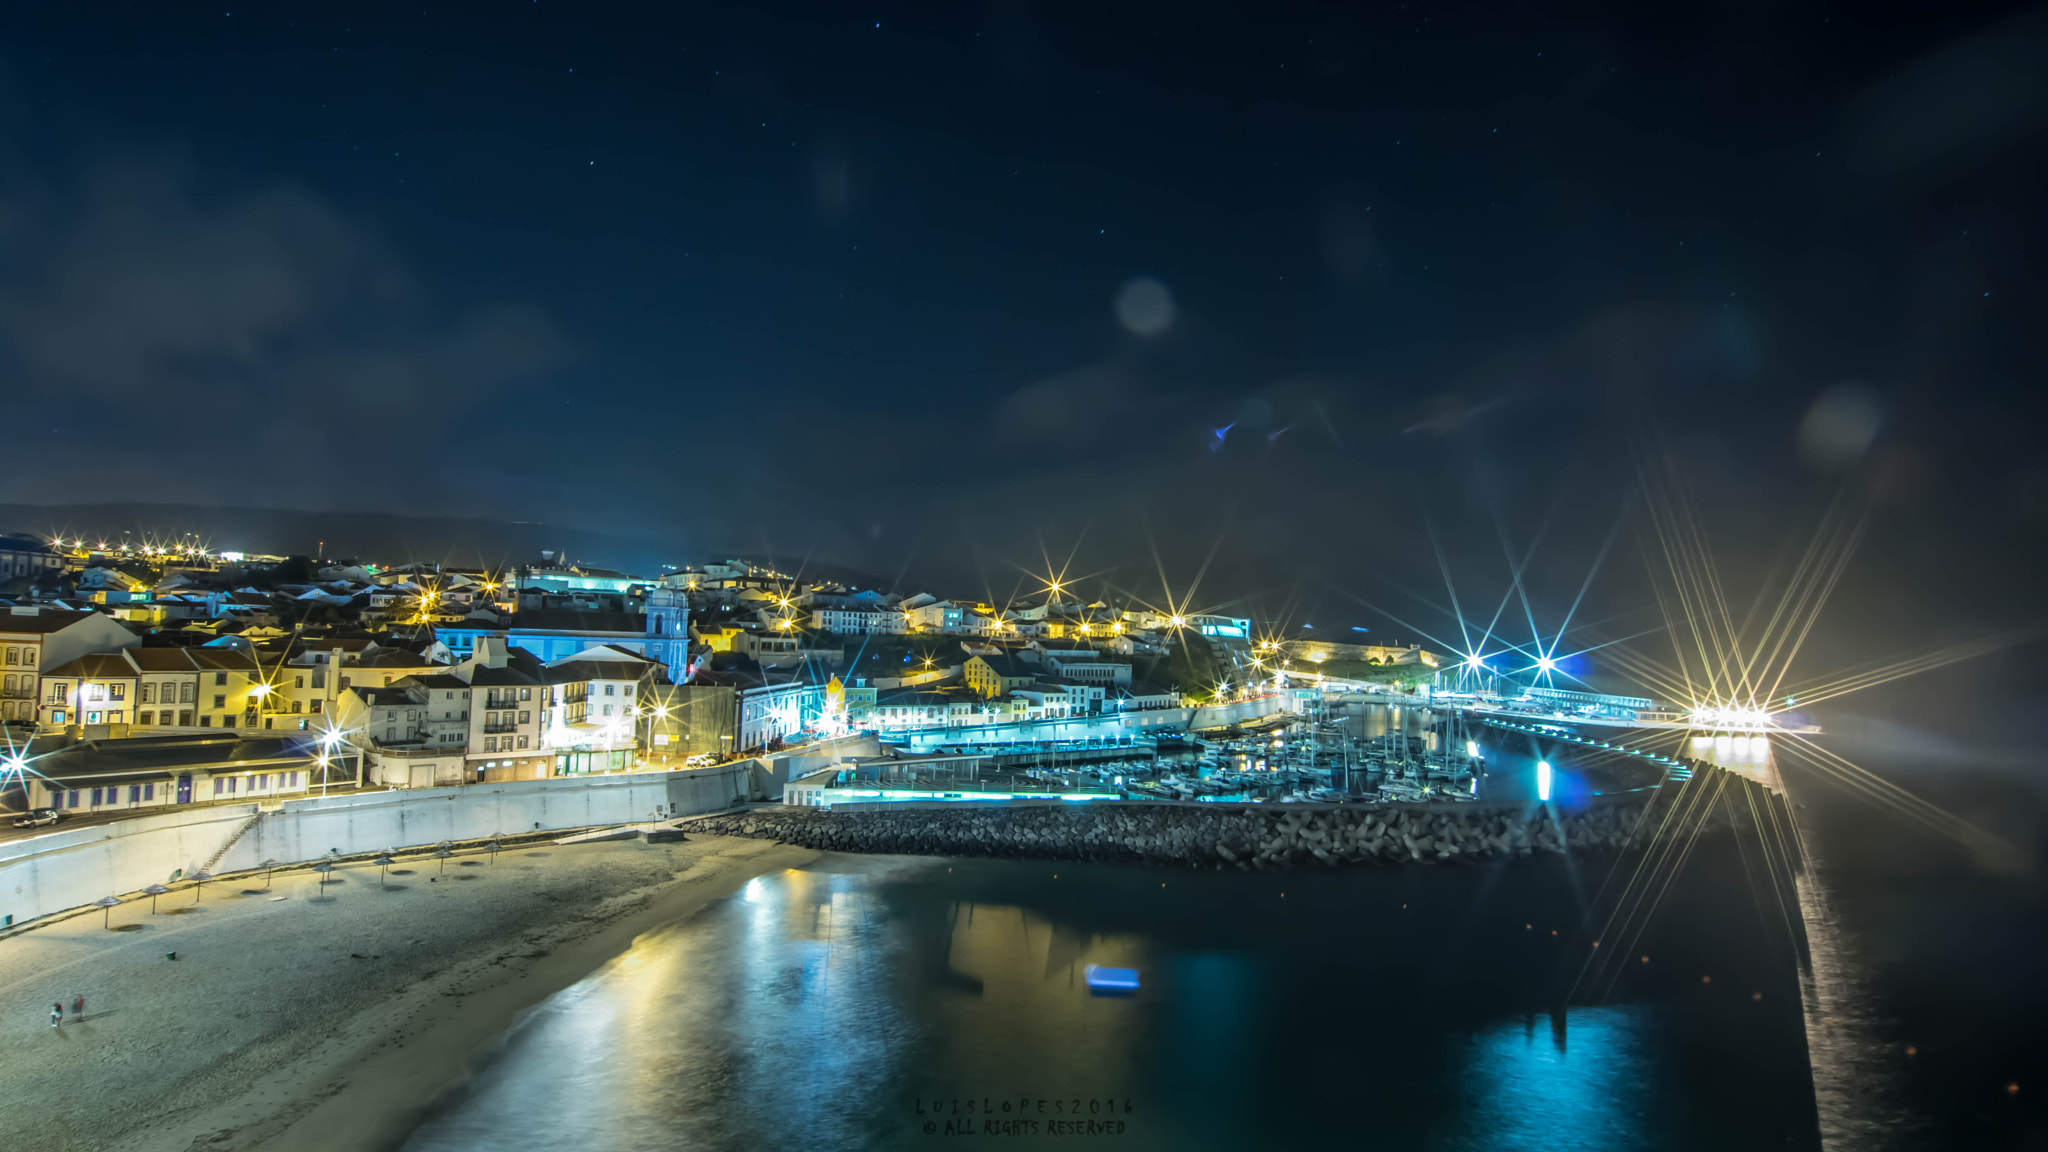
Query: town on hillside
(139, 675)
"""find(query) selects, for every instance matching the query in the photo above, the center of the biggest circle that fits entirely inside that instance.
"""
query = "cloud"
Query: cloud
(142, 281)
(1076, 407)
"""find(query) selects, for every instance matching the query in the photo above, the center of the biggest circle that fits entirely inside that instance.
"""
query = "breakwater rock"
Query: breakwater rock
(1246, 836)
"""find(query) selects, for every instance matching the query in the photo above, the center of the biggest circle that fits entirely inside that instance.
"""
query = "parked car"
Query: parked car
(37, 818)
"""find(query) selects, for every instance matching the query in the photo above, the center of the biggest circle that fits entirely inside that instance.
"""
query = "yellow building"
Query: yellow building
(992, 676)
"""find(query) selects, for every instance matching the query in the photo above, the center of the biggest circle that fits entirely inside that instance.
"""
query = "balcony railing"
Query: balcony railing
(494, 729)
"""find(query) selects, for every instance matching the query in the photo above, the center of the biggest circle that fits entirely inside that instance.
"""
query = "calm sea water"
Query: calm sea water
(883, 1003)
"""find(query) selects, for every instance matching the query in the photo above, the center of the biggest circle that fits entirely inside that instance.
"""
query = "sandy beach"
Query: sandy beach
(303, 1020)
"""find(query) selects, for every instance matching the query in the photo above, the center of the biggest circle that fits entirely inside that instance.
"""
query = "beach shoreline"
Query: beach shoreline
(315, 1018)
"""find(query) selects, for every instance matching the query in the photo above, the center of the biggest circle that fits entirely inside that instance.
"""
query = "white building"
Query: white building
(590, 709)
(860, 621)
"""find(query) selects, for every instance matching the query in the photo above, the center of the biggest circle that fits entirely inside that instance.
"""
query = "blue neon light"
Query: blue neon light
(1111, 980)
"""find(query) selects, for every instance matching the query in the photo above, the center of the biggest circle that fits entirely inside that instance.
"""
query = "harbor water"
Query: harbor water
(887, 1003)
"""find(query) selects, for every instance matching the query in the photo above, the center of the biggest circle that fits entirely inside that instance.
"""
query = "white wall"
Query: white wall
(305, 829)
(48, 873)
(43, 874)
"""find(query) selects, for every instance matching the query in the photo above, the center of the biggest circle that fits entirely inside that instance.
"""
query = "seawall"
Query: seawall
(67, 868)
(1193, 834)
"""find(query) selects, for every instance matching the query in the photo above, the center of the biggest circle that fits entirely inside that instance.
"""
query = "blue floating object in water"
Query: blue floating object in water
(1110, 981)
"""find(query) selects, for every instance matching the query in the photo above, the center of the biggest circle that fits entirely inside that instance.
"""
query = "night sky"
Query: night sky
(925, 286)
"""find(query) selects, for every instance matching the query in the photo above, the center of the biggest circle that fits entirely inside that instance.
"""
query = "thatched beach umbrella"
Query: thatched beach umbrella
(109, 903)
(323, 868)
(154, 891)
(269, 866)
(442, 854)
(493, 846)
(199, 880)
(384, 865)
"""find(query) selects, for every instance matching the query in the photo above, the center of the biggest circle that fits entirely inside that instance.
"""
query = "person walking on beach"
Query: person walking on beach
(56, 1014)
(78, 1007)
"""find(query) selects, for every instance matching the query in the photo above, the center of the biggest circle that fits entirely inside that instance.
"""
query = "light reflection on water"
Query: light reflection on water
(1534, 1084)
(846, 1008)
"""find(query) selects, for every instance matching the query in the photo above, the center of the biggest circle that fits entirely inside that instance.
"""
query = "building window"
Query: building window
(522, 741)
(149, 791)
(219, 786)
(296, 705)
(232, 783)
(188, 692)
(315, 709)
(220, 701)
(608, 689)
(298, 681)
(227, 721)
(147, 695)
(144, 717)
(117, 691)
(220, 679)
(184, 717)
(14, 655)
(526, 693)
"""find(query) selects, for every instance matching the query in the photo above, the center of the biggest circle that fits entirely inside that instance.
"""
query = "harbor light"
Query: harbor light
(1472, 749)
(1730, 718)
(1545, 663)
(1543, 780)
